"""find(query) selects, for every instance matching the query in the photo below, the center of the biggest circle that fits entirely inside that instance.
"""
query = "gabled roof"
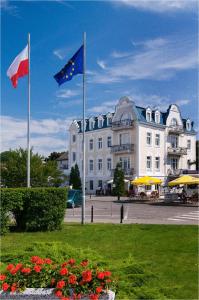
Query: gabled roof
(63, 156)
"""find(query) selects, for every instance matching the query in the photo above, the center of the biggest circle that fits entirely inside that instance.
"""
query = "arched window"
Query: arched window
(91, 124)
(100, 122)
(188, 125)
(148, 115)
(157, 117)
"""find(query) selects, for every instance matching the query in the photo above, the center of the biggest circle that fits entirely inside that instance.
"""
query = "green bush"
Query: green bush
(34, 209)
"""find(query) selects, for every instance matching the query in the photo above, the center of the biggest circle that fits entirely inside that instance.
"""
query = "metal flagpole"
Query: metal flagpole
(84, 93)
(28, 121)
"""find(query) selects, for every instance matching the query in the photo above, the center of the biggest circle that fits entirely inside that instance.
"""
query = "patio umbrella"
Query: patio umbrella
(185, 179)
(146, 180)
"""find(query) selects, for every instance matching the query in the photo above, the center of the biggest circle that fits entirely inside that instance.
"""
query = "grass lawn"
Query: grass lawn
(150, 261)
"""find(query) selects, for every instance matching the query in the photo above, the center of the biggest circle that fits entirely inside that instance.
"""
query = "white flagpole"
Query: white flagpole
(28, 117)
(84, 94)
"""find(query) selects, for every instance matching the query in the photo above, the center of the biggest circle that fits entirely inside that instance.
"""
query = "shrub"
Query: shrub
(35, 209)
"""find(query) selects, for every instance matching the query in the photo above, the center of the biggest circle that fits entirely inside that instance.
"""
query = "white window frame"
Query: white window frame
(157, 138)
(149, 136)
(100, 122)
(109, 141)
(188, 125)
(91, 164)
(109, 164)
(100, 164)
(74, 156)
(148, 115)
(157, 160)
(149, 160)
(100, 143)
(91, 149)
(157, 117)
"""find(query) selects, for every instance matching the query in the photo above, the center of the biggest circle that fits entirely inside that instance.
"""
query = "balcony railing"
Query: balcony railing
(177, 150)
(127, 123)
(122, 148)
(175, 129)
(127, 172)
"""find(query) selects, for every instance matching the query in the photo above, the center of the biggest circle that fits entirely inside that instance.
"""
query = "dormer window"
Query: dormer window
(109, 121)
(100, 122)
(157, 117)
(148, 115)
(188, 125)
(174, 122)
(91, 124)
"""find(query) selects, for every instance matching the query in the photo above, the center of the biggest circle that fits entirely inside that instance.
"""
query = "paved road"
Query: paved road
(107, 210)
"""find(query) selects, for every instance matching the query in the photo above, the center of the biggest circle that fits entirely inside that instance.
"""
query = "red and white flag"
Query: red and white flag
(19, 67)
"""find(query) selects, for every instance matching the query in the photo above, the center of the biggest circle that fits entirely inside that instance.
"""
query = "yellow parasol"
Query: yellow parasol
(146, 180)
(185, 179)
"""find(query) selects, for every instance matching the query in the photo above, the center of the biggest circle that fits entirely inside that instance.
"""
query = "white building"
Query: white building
(144, 140)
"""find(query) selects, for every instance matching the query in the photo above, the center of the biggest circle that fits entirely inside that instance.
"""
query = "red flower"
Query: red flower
(65, 298)
(107, 273)
(26, 270)
(87, 276)
(10, 267)
(72, 279)
(63, 272)
(64, 264)
(18, 267)
(58, 293)
(47, 261)
(108, 280)
(5, 286)
(93, 297)
(13, 287)
(37, 269)
(98, 289)
(60, 284)
(79, 296)
(34, 259)
(13, 271)
(2, 277)
(100, 275)
(84, 263)
(71, 261)
(40, 261)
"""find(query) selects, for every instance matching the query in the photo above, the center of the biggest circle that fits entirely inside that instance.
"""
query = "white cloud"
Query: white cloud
(107, 106)
(101, 63)
(9, 7)
(159, 6)
(58, 53)
(47, 135)
(118, 54)
(66, 93)
(159, 59)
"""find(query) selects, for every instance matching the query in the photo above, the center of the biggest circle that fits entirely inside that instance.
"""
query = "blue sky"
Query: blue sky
(144, 49)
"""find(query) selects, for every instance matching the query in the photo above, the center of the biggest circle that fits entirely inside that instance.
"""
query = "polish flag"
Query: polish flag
(19, 67)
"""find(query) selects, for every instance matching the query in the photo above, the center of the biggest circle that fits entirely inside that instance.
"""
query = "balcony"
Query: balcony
(177, 151)
(124, 148)
(122, 124)
(175, 129)
(127, 172)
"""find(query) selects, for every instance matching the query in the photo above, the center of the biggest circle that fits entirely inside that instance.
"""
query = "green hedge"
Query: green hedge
(34, 209)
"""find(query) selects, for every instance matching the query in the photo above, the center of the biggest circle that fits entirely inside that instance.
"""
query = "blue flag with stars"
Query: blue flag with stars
(73, 67)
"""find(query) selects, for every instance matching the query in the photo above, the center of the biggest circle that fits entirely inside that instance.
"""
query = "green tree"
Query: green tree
(75, 179)
(54, 156)
(118, 181)
(14, 170)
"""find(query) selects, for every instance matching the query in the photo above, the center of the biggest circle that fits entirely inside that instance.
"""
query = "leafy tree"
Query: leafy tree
(14, 170)
(54, 156)
(118, 181)
(75, 179)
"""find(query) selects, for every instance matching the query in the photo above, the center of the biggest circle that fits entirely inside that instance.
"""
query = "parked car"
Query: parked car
(74, 198)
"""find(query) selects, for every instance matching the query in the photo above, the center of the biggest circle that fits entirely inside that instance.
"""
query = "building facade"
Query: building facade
(145, 141)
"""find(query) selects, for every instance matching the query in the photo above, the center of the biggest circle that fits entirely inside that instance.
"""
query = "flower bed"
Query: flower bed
(69, 280)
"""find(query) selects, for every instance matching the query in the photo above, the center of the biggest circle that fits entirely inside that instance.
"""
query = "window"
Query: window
(124, 138)
(91, 144)
(148, 115)
(148, 138)
(100, 164)
(91, 185)
(157, 163)
(109, 121)
(99, 143)
(188, 125)
(157, 117)
(174, 163)
(109, 141)
(108, 164)
(125, 161)
(74, 156)
(100, 123)
(174, 122)
(189, 144)
(157, 139)
(174, 141)
(100, 183)
(188, 164)
(74, 138)
(91, 165)
(148, 162)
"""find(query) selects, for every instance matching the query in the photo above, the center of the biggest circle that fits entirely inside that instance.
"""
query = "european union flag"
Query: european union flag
(73, 67)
